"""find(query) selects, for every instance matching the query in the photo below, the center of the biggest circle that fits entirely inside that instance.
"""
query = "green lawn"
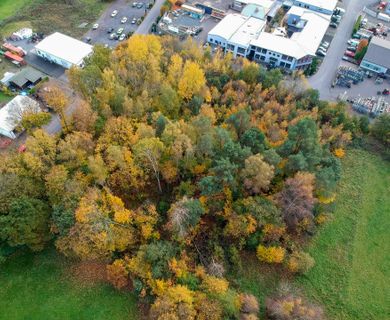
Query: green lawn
(10, 7)
(4, 98)
(352, 272)
(352, 269)
(38, 286)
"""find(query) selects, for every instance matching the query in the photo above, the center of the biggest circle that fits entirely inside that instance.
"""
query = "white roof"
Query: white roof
(7, 77)
(228, 26)
(301, 43)
(65, 47)
(312, 34)
(248, 31)
(266, 4)
(279, 44)
(324, 4)
(11, 113)
(238, 29)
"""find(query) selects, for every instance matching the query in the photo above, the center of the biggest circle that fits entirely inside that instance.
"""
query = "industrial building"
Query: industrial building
(290, 49)
(63, 50)
(376, 59)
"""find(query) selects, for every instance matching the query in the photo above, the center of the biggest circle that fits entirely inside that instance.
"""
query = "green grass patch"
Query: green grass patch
(4, 98)
(352, 251)
(9, 7)
(40, 286)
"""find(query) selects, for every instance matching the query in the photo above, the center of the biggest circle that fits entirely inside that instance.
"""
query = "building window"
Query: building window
(284, 57)
(282, 64)
(230, 47)
(257, 56)
(263, 50)
(288, 66)
(290, 59)
(258, 49)
(262, 58)
(241, 50)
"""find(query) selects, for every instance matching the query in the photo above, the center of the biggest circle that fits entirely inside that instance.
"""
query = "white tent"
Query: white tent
(11, 114)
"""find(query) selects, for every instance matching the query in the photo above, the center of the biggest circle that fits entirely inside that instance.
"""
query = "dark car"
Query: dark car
(88, 39)
(386, 92)
(110, 30)
(382, 75)
(333, 25)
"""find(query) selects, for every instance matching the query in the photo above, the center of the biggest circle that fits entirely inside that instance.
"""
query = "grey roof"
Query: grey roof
(379, 52)
(26, 75)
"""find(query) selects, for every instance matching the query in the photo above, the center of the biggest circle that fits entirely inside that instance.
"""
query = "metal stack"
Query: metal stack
(372, 106)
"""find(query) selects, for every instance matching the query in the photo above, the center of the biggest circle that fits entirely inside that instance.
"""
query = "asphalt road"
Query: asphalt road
(323, 78)
(151, 17)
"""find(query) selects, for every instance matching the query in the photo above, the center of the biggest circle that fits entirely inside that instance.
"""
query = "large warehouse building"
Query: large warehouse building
(63, 50)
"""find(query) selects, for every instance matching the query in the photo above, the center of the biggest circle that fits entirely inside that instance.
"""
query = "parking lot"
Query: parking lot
(106, 22)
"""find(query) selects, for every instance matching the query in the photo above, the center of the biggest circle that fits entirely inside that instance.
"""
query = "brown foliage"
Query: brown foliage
(297, 200)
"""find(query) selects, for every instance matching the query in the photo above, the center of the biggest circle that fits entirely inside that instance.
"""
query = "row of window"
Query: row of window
(273, 61)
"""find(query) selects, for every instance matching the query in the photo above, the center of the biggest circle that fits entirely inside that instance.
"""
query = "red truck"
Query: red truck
(15, 50)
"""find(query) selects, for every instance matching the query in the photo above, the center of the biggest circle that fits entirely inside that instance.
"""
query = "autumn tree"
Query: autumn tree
(57, 100)
(148, 153)
(191, 81)
(296, 200)
(26, 223)
(257, 174)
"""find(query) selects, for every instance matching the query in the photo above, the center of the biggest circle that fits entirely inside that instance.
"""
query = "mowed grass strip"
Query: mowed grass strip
(40, 286)
(352, 272)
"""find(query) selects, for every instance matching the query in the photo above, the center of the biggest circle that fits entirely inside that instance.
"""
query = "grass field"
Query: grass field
(48, 15)
(352, 251)
(352, 269)
(10, 7)
(39, 286)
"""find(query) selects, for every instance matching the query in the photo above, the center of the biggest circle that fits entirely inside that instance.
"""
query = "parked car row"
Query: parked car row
(323, 48)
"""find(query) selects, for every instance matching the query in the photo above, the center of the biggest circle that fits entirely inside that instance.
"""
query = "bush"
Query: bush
(117, 274)
(291, 307)
(271, 254)
(381, 129)
(249, 304)
(300, 262)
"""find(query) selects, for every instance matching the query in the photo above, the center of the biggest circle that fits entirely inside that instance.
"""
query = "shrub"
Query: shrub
(117, 274)
(291, 307)
(300, 262)
(249, 304)
(270, 254)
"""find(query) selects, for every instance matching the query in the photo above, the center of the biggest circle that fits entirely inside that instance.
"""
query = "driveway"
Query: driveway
(151, 17)
(323, 78)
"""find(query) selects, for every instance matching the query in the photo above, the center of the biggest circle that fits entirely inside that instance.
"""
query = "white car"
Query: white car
(134, 4)
(124, 20)
(322, 49)
(120, 30)
(95, 26)
(114, 13)
(133, 21)
(325, 44)
(122, 37)
(321, 53)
